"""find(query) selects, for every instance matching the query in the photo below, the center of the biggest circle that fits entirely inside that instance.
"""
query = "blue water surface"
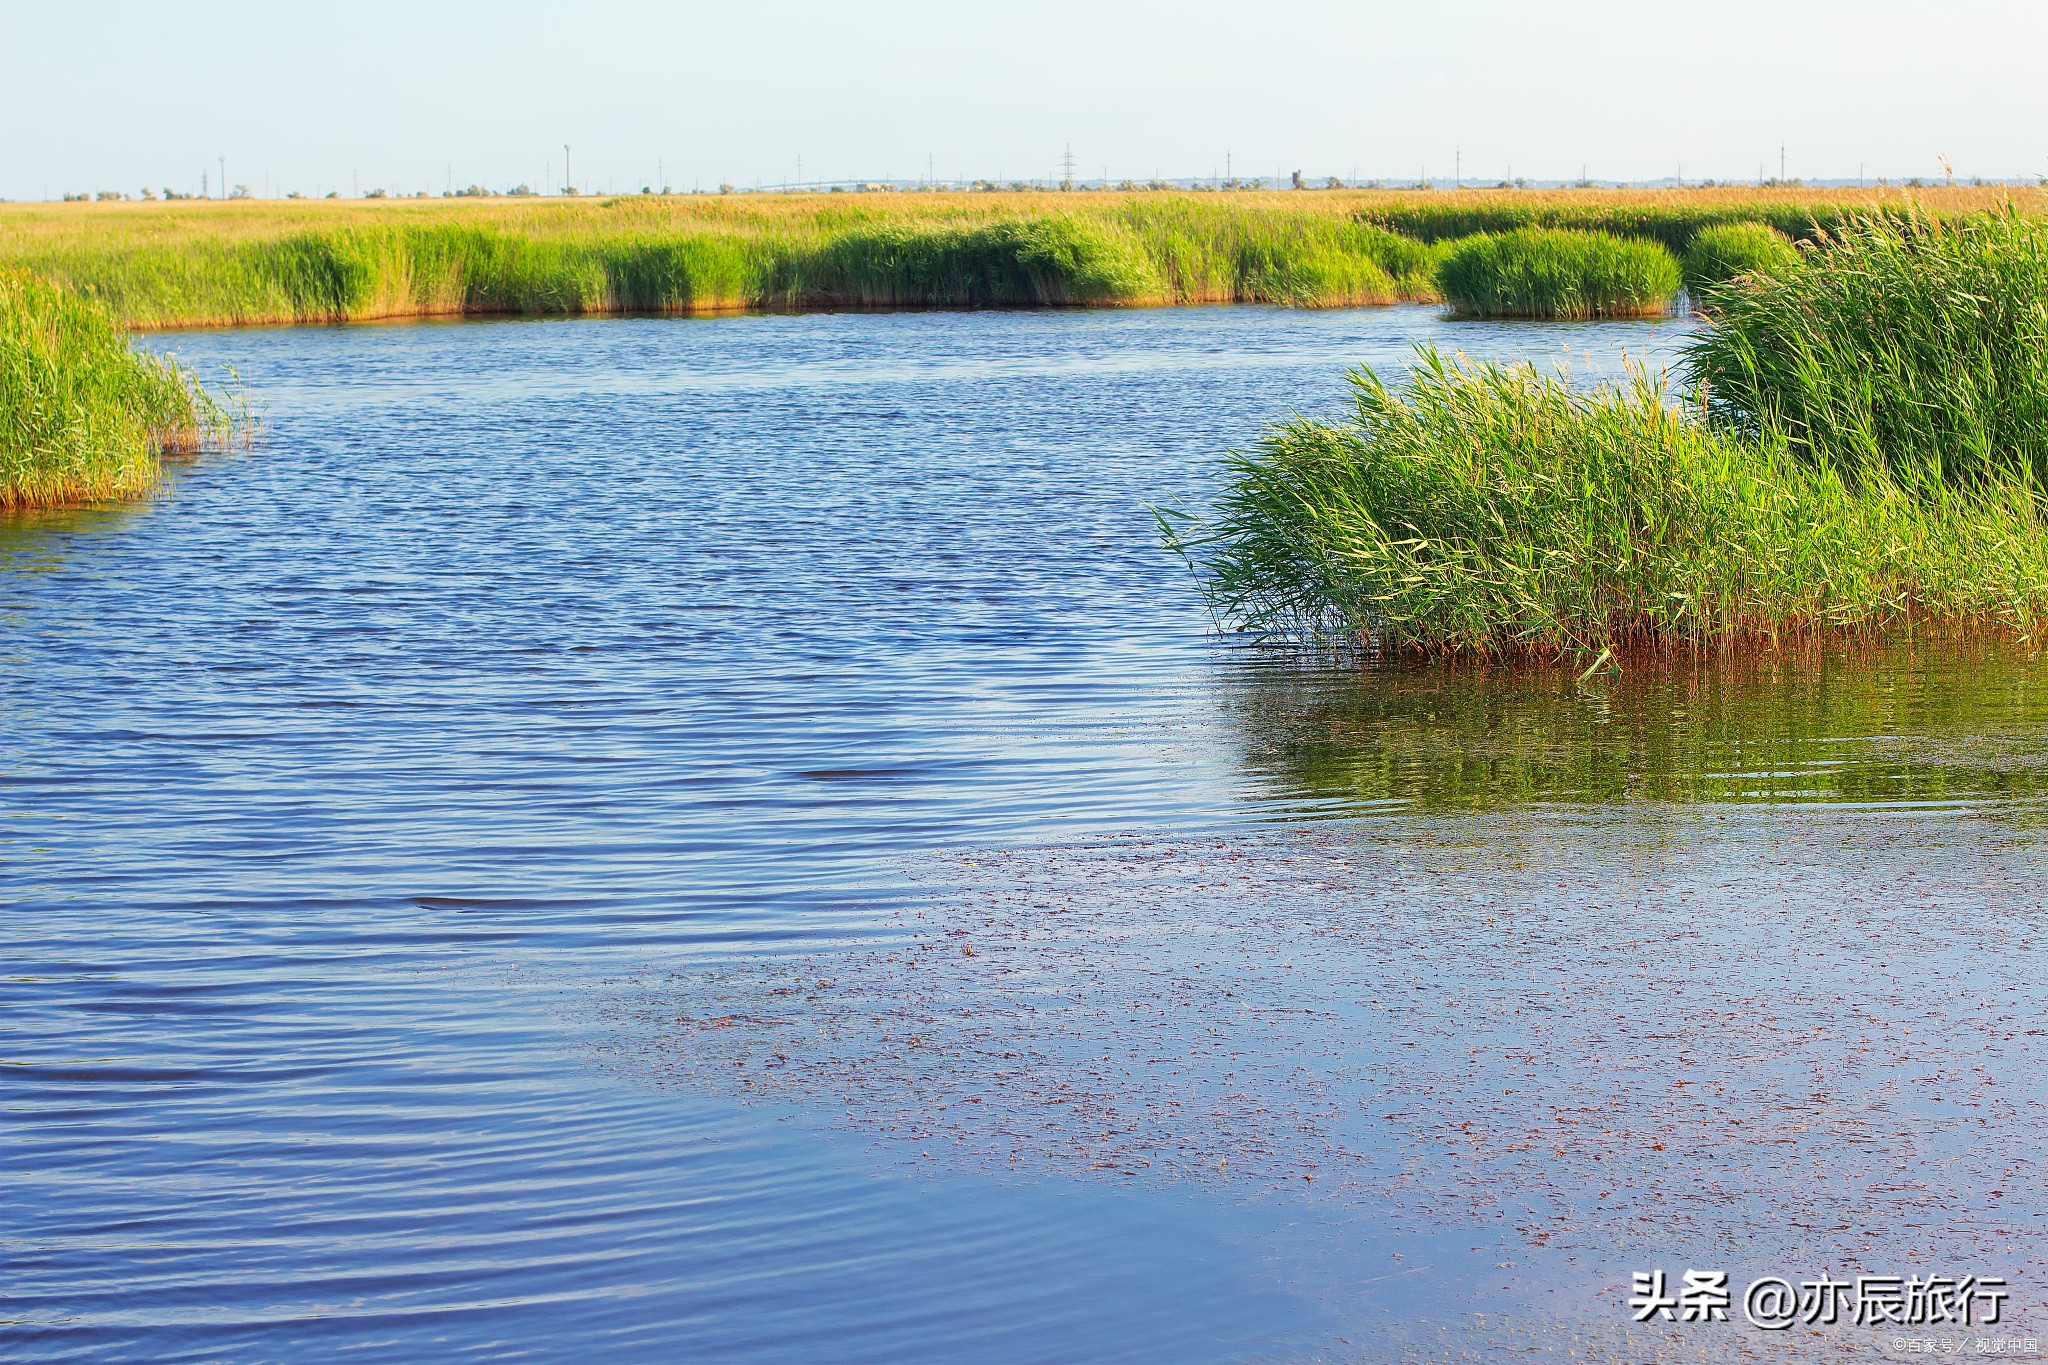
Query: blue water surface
(517, 654)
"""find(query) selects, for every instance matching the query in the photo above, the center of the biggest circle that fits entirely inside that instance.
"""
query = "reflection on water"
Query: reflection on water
(1924, 722)
(29, 536)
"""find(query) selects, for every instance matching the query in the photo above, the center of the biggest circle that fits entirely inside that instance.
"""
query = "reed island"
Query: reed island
(1857, 442)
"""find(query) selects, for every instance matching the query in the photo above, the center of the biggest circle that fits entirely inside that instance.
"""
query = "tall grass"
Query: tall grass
(637, 258)
(1554, 273)
(1484, 509)
(83, 415)
(1897, 346)
(1720, 253)
(1673, 216)
(188, 264)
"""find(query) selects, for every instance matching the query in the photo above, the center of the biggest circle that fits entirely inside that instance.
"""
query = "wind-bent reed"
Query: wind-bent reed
(1483, 509)
(83, 415)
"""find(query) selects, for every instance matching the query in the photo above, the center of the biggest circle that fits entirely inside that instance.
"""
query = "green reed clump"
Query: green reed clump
(1208, 251)
(1484, 509)
(1719, 253)
(1318, 266)
(1553, 273)
(1896, 344)
(83, 415)
(1058, 261)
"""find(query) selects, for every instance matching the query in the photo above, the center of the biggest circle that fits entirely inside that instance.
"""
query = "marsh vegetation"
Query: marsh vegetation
(1915, 346)
(83, 414)
(205, 264)
(1860, 448)
(1719, 253)
(1557, 273)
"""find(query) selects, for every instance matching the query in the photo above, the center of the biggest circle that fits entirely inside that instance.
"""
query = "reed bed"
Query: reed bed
(1863, 446)
(1897, 344)
(640, 261)
(1724, 251)
(1557, 273)
(1672, 217)
(1485, 510)
(202, 264)
(83, 415)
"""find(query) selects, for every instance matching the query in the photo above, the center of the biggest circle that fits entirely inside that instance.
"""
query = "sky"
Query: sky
(428, 94)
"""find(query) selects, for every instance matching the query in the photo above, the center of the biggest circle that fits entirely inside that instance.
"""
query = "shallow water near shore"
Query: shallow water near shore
(730, 837)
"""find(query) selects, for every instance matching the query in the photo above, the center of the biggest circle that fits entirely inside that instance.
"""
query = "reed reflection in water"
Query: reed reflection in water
(1906, 722)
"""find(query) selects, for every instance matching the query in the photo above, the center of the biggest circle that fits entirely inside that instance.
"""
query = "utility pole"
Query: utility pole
(1458, 168)
(568, 180)
(661, 174)
(1781, 163)
(223, 177)
(205, 190)
(1228, 175)
(1067, 168)
(931, 175)
(451, 177)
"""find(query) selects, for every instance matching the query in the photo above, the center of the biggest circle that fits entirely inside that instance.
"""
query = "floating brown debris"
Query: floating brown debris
(1787, 1040)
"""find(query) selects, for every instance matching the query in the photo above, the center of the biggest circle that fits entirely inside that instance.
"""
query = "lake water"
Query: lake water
(730, 839)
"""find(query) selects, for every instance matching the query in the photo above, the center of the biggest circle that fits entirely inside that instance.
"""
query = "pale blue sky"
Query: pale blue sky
(95, 94)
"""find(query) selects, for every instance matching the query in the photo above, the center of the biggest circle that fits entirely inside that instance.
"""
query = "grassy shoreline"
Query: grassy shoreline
(183, 264)
(1488, 511)
(1859, 452)
(84, 415)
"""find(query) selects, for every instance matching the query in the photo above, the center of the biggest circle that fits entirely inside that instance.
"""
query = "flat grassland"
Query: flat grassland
(185, 263)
